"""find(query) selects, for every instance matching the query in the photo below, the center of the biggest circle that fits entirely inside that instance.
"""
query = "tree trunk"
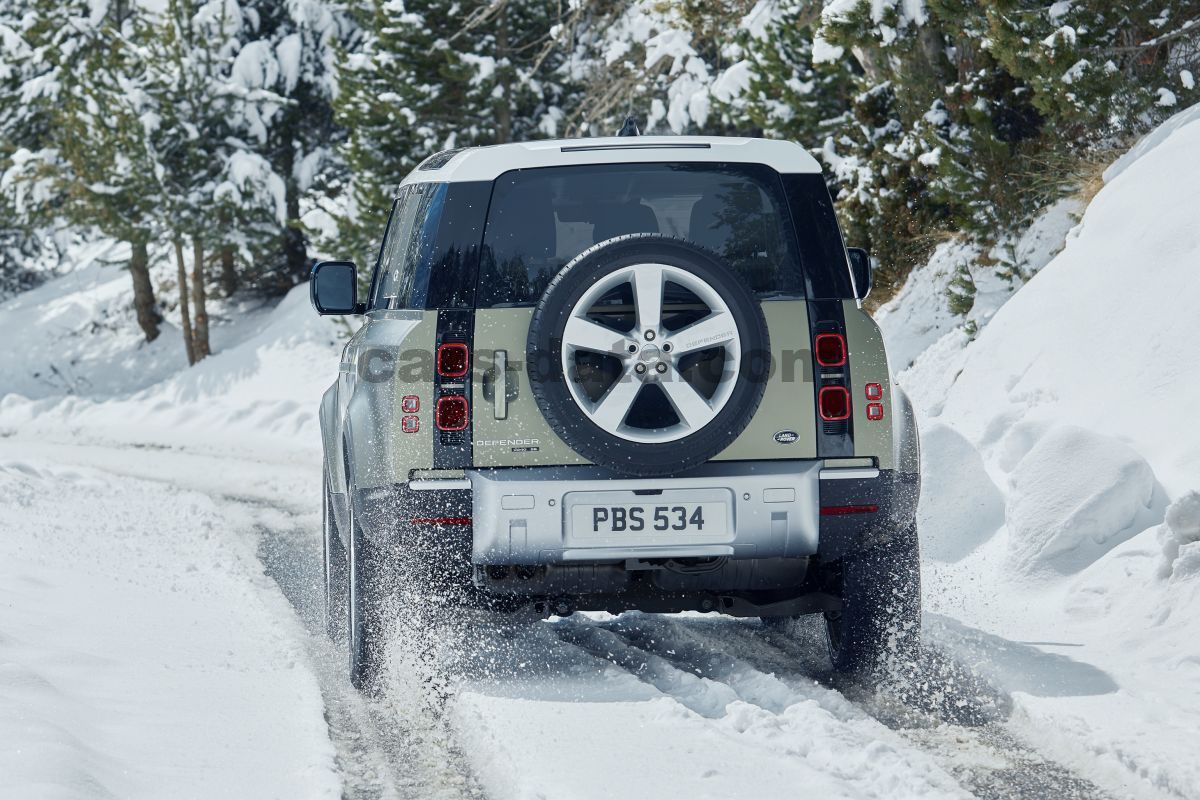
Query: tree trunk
(185, 318)
(200, 330)
(228, 265)
(504, 108)
(143, 291)
(293, 238)
(868, 59)
(228, 272)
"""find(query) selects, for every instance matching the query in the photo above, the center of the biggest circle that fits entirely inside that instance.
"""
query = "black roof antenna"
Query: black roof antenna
(630, 128)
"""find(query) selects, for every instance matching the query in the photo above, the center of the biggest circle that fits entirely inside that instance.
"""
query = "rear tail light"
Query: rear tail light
(450, 414)
(441, 520)
(410, 404)
(874, 391)
(453, 359)
(410, 424)
(875, 411)
(830, 349)
(834, 403)
(837, 511)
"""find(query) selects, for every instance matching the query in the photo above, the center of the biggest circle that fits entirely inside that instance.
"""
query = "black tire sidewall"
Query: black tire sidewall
(334, 563)
(364, 618)
(880, 620)
(554, 398)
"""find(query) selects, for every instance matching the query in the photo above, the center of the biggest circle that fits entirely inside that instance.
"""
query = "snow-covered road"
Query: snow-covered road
(186, 561)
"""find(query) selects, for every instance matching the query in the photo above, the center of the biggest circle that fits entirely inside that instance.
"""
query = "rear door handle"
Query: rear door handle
(500, 387)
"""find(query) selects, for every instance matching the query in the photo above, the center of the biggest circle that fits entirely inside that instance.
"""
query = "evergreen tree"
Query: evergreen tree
(431, 76)
(284, 73)
(785, 94)
(30, 225)
(89, 87)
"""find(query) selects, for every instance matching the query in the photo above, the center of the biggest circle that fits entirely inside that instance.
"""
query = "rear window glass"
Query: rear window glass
(405, 258)
(542, 218)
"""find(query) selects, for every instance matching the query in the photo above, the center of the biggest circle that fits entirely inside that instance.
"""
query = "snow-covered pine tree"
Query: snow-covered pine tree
(654, 61)
(430, 76)
(776, 87)
(85, 82)
(1099, 68)
(26, 218)
(283, 73)
(885, 159)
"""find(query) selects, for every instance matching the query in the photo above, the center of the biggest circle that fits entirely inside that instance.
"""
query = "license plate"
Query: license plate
(654, 518)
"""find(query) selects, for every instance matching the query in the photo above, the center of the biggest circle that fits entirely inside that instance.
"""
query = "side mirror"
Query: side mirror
(333, 288)
(860, 271)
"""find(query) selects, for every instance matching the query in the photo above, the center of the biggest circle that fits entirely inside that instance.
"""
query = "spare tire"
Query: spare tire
(648, 354)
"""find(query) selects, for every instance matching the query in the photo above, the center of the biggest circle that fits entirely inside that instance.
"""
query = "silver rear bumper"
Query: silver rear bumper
(522, 516)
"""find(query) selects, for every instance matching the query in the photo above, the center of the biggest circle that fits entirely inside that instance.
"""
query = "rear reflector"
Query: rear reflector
(875, 411)
(451, 413)
(441, 520)
(874, 391)
(410, 404)
(834, 403)
(830, 349)
(410, 424)
(453, 359)
(837, 511)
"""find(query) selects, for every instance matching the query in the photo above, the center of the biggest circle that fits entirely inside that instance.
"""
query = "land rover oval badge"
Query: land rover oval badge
(786, 437)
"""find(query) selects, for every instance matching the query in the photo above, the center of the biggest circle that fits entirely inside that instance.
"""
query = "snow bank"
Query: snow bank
(1054, 438)
(960, 506)
(77, 334)
(143, 653)
(1180, 538)
(1063, 517)
(1104, 337)
(261, 388)
(919, 316)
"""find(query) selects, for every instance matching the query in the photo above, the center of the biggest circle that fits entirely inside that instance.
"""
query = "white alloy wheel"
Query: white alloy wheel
(650, 354)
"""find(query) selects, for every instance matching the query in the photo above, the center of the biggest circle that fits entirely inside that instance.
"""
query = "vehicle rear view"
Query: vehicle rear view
(611, 374)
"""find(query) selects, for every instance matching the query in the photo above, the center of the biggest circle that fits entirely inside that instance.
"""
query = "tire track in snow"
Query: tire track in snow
(963, 728)
(794, 720)
(390, 746)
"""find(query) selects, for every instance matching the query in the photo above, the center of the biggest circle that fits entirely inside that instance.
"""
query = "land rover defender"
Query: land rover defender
(618, 373)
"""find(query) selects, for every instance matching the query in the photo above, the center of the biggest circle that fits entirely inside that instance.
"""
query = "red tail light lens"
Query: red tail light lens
(834, 403)
(875, 411)
(451, 413)
(837, 511)
(410, 404)
(830, 349)
(874, 391)
(410, 424)
(453, 359)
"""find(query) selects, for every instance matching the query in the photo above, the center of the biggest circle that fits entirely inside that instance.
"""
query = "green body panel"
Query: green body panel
(510, 442)
(414, 368)
(868, 364)
(399, 345)
(524, 438)
(788, 403)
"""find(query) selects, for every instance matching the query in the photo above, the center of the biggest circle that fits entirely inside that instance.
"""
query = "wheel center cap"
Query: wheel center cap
(649, 354)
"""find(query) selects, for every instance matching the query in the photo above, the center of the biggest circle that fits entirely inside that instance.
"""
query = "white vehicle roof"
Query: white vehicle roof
(488, 163)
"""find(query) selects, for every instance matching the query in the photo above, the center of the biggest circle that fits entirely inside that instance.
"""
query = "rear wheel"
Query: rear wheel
(334, 569)
(879, 623)
(365, 617)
